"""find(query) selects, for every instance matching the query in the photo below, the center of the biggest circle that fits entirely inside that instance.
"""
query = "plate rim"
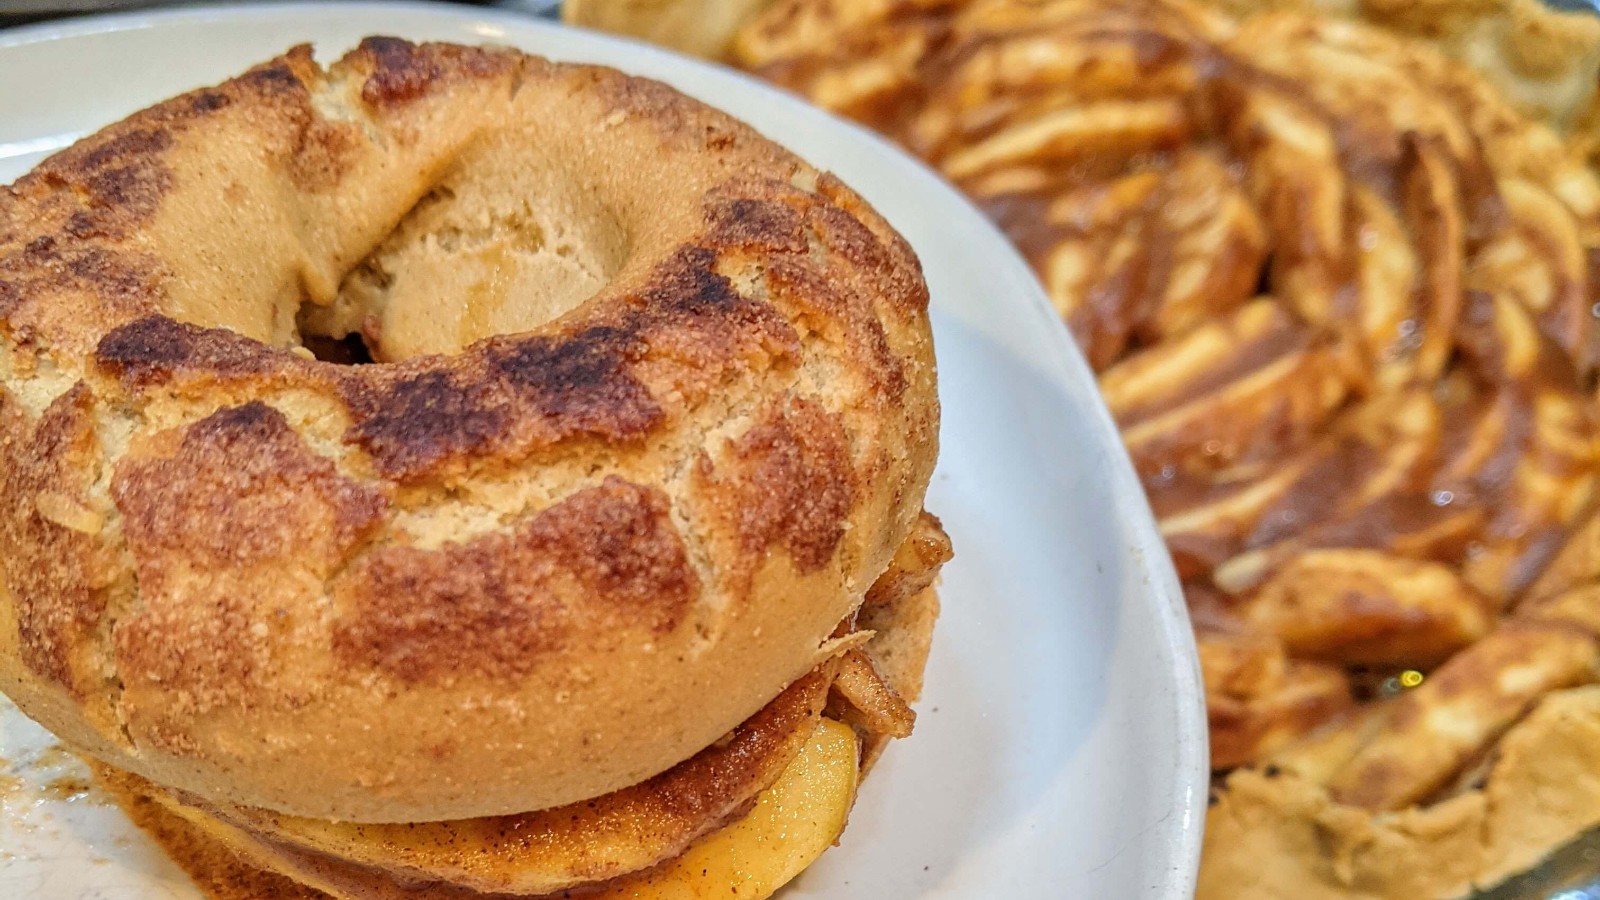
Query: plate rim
(1163, 590)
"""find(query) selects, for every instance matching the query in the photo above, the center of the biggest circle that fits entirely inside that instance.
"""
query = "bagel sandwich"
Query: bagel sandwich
(741, 818)
(455, 474)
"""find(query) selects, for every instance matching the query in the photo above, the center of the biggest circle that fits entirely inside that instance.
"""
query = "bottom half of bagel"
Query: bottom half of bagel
(739, 819)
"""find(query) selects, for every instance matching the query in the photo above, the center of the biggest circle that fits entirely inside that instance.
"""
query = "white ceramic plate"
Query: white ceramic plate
(1061, 747)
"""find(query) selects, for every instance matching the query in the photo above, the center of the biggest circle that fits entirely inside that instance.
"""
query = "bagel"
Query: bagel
(616, 843)
(651, 406)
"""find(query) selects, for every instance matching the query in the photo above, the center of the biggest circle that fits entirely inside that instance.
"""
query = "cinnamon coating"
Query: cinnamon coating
(652, 406)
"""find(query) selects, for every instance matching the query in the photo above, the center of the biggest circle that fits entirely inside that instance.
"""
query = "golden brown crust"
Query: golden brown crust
(786, 482)
(293, 519)
(399, 72)
(602, 562)
(548, 509)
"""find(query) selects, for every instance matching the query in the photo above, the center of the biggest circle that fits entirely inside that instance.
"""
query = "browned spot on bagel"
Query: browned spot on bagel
(699, 330)
(48, 526)
(786, 482)
(684, 333)
(276, 76)
(403, 71)
(411, 424)
(582, 382)
(687, 285)
(208, 101)
(843, 316)
(119, 175)
(530, 392)
(212, 598)
(603, 562)
(156, 350)
(753, 224)
(854, 230)
(323, 153)
(125, 283)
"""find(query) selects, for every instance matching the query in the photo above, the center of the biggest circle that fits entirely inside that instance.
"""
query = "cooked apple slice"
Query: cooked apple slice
(792, 823)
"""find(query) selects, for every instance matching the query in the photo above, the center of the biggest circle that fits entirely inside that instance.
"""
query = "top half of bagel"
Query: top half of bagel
(653, 405)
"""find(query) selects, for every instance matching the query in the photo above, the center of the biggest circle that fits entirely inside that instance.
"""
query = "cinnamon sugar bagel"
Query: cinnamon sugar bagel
(652, 406)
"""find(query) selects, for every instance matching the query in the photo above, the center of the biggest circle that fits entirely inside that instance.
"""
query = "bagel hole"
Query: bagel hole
(350, 350)
(507, 243)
